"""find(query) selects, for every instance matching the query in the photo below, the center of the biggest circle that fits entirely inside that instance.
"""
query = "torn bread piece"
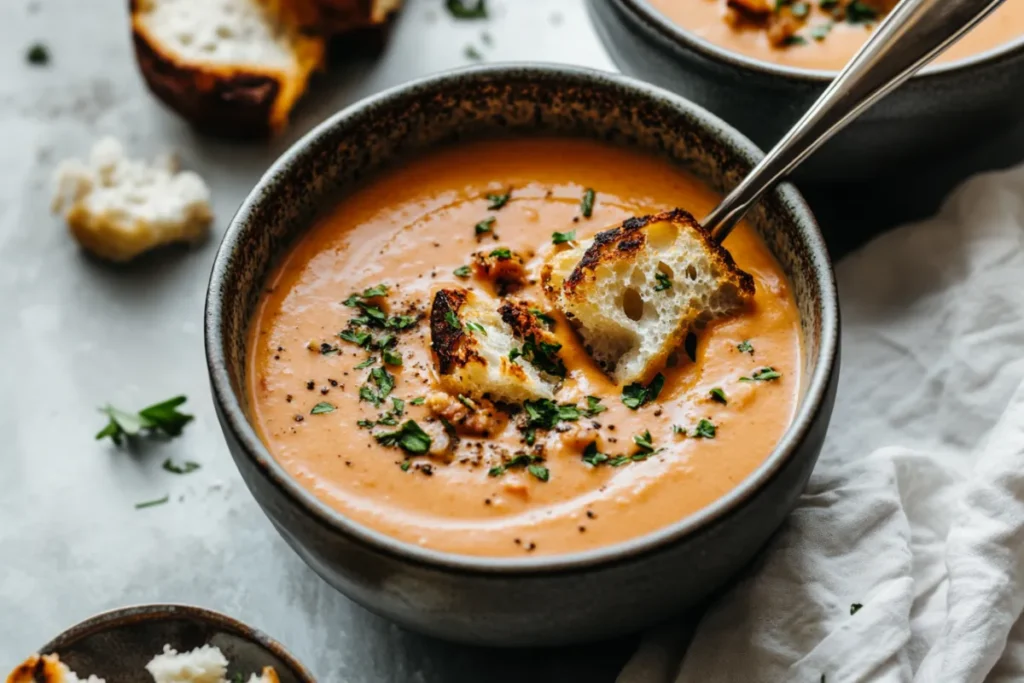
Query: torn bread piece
(118, 208)
(486, 348)
(47, 669)
(230, 67)
(502, 266)
(635, 291)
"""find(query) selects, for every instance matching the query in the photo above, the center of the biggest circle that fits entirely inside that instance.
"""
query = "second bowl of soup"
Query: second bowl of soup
(530, 497)
(760, 64)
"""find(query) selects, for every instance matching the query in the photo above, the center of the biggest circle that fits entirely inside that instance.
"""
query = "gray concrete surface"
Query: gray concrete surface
(77, 333)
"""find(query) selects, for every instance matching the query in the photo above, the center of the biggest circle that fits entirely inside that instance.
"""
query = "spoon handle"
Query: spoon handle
(913, 34)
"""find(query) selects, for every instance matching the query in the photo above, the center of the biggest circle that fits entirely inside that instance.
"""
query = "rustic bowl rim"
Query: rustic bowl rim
(682, 37)
(161, 611)
(236, 420)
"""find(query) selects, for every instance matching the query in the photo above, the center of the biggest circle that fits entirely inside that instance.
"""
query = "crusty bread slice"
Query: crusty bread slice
(231, 67)
(478, 344)
(46, 669)
(118, 208)
(635, 291)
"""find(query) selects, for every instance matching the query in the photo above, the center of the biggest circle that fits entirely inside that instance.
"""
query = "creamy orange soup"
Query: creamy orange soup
(817, 38)
(413, 229)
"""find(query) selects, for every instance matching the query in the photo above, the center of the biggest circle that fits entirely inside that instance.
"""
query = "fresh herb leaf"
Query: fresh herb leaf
(544, 356)
(800, 9)
(854, 608)
(322, 408)
(328, 349)
(539, 471)
(476, 327)
(705, 430)
(765, 374)
(635, 395)
(471, 52)
(592, 456)
(357, 338)
(463, 9)
(185, 468)
(158, 419)
(375, 291)
(366, 363)
(370, 395)
(399, 406)
(745, 347)
(821, 31)
(383, 342)
(514, 353)
(794, 40)
(388, 420)
(391, 357)
(662, 282)
(643, 441)
(619, 460)
(418, 401)
(410, 438)
(594, 406)
(676, 429)
(406, 464)
(462, 271)
(563, 237)
(366, 424)
(546, 414)
(568, 412)
(501, 253)
(468, 402)
(485, 225)
(517, 461)
(38, 55)
(587, 203)
(859, 12)
(450, 318)
(828, 4)
(152, 503)
(543, 317)
(384, 380)
(718, 396)
(497, 201)
(400, 322)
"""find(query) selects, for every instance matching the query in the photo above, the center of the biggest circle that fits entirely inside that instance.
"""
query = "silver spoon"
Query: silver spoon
(913, 34)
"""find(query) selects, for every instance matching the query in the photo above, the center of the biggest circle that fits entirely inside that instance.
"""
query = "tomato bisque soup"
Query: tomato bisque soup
(818, 34)
(343, 384)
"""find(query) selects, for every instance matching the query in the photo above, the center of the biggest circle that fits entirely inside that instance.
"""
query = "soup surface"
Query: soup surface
(413, 229)
(817, 34)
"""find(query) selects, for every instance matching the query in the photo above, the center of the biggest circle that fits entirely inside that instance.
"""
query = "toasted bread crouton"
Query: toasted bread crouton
(479, 346)
(473, 416)
(231, 67)
(118, 208)
(46, 669)
(638, 289)
(502, 266)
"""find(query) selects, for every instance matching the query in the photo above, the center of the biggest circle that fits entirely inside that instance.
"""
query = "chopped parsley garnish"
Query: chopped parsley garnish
(369, 394)
(517, 461)
(794, 40)
(645, 449)
(539, 471)
(676, 429)
(406, 464)
(366, 363)
(745, 347)
(718, 396)
(472, 53)
(635, 395)
(592, 456)
(563, 237)
(859, 12)
(464, 9)
(452, 320)
(462, 271)
(366, 424)
(587, 203)
(322, 408)
(546, 414)
(514, 353)
(391, 357)
(376, 291)
(184, 468)
(501, 253)
(410, 438)
(485, 225)
(38, 55)
(152, 503)
(400, 322)
(800, 9)
(384, 380)
(162, 419)
(497, 201)
(705, 430)
(383, 342)
(388, 420)
(662, 282)
(476, 327)
(418, 401)
(828, 4)
(543, 356)
(821, 31)
(328, 349)
(357, 338)
(765, 374)
(643, 441)
(543, 317)
(399, 406)
(854, 608)
(468, 402)
(594, 406)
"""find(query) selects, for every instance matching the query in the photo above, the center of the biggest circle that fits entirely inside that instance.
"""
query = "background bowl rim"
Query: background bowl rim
(679, 36)
(234, 415)
(161, 611)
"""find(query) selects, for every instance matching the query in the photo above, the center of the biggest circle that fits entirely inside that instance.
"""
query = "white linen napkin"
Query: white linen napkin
(904, 560)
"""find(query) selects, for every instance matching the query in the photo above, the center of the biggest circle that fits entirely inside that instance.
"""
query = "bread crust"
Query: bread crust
(451, 344)
(626, 240)
(226, 100)
(38, 669)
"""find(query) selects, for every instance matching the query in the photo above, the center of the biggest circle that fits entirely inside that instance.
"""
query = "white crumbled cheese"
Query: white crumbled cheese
(205, 664)
(118, 208)
(220, 31)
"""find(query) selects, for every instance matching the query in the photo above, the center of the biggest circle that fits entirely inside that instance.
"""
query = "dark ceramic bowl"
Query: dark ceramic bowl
(529, 600)
(943, 111)
(117, 645)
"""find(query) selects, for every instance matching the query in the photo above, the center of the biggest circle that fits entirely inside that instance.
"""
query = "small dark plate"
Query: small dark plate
(117, 645)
